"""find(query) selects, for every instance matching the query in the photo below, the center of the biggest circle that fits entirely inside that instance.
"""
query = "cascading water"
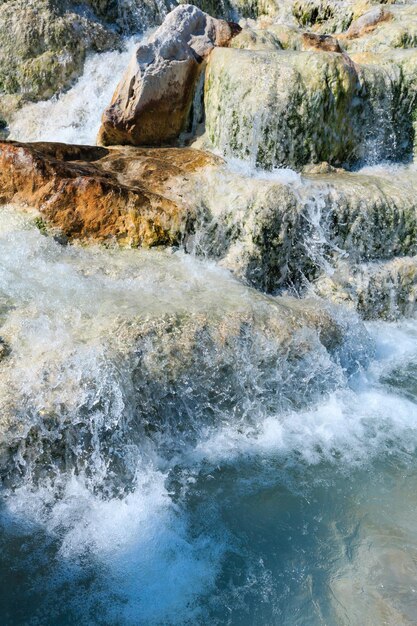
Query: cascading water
(171, 528)
(178, 448)
(74, 116)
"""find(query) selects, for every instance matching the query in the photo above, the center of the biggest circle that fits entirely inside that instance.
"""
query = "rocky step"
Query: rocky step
(279, 230)
(275, 231)
(280, 108)
(379, 290)
(92, 194)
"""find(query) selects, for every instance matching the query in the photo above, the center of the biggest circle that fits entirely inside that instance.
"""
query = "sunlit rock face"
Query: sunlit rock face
(291, 108)
(92, 194)
(152, 103)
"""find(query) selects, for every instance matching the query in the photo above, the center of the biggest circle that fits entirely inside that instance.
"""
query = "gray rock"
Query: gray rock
(152, 102)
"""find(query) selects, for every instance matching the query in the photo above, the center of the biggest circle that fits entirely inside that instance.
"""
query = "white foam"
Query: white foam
(284, 175)
(74, 116)
(142, 542)
(66, 299)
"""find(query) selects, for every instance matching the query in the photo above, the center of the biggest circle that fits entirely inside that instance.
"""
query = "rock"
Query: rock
(43, 45)
(368, 22)
(284, 233)
(95, 194)
(152, 103)
(290, 108)
(282, 108)
(255, 39)
(321, 168)
(4, 350)
(379, 290)
(326, 43)
(327, 15)
(397, 31)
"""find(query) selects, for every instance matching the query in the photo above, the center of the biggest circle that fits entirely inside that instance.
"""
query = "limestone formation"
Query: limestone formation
(255, 39)
(325, 16)
(291, 108)
(152, 103)
(378, 290)
(285, 234)
(282, 108)
(43, 45)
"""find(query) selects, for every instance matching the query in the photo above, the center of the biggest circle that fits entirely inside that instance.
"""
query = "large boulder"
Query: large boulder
(282, 108)
(290, 108)
(152, 103)
(93, 194)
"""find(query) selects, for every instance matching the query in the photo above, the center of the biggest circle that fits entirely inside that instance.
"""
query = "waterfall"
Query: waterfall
(224, 431)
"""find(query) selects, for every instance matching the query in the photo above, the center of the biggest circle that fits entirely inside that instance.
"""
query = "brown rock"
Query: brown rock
(325, 43)
(91, 193)
(152, 102)
(368, 22)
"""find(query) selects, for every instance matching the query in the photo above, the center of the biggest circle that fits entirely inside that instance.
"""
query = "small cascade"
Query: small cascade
(74, 116)
(388, 116)
(89, 404)
(137, 17)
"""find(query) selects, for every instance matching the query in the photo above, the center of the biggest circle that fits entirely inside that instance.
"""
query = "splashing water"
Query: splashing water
(74, 116)
(232, 524)
(169, 456)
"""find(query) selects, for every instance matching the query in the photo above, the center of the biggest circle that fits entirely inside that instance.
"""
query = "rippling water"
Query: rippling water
(248, 488)
(272, 516)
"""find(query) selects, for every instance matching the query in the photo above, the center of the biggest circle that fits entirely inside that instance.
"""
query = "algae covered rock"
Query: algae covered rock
(4, 349)
(285, 231)
(43, 46)
(282, 108)
(378, 290)
(324, 15)
(382, 29)
(290, 108)
(255, 39)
